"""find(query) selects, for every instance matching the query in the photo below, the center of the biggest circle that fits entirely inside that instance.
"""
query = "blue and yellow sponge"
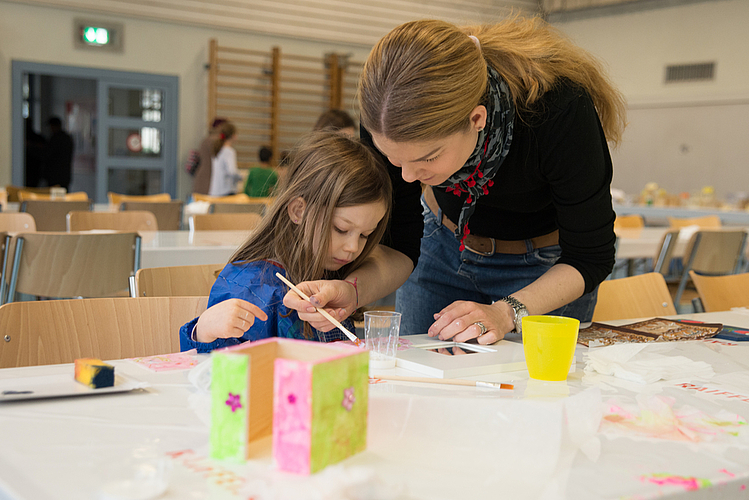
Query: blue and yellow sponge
(94, 373)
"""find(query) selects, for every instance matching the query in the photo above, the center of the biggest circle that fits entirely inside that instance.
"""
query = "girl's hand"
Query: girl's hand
(227, 319)
(458, 322)
(337, 297)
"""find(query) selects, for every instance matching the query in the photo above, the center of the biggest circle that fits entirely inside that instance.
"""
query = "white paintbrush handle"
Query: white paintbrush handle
(353, 338)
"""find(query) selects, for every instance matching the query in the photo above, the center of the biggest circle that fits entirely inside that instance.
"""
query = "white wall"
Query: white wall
(45, 35)
(687, 135)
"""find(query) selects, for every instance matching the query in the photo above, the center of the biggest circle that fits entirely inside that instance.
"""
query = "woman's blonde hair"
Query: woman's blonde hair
(422, 80)
(226, 130)
(328, 171)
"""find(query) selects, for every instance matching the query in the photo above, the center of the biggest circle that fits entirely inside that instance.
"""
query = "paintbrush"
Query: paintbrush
(448, 381)
(353, 338)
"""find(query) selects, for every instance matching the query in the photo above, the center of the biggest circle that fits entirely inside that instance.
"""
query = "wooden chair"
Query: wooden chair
(176, 280)
(14, 222)
(234, 198)
(30, 195)
(116, 199)
(628, 221)
(61, 331)
(706, 222)
(644, 295)
(14, 190)
(118, 221)
(237, 208)
(721, 293)
(168, 213)
(51, 215)
(72, 264)
(225, 222)
(711, 252)
(11, 223)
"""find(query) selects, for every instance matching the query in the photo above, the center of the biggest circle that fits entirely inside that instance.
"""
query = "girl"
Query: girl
(330, 212)
(224, 173)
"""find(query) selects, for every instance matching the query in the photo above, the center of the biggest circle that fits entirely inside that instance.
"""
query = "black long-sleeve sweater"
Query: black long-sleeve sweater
(557, 175)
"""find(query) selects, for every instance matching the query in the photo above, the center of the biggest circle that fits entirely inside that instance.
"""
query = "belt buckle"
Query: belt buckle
(484, 254)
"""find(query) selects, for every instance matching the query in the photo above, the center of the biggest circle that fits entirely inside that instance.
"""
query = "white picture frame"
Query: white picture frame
(503, 356)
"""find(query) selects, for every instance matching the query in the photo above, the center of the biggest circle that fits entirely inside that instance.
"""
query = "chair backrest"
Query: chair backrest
(15, 222)
(234, 198)
(706, 222)
(118, 221)
(168, 213)
(115, 199)
(14, 190)
(51, 215)
(665, 253)
(715, 251)
(640, 296)
(177, 280)
(61, 331)
(711, 251)
(237, 208)
(30, 195)
(721, 293)
(72, 264)
(629, 221)
(212, 222)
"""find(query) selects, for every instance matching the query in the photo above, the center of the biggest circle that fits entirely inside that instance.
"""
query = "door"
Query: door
(135, 154)
(135, 133)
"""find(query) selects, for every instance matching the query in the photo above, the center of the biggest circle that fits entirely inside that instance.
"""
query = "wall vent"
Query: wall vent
(690, 72)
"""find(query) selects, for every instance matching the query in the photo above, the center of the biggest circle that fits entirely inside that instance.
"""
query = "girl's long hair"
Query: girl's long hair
(328, 171)
(422, 80)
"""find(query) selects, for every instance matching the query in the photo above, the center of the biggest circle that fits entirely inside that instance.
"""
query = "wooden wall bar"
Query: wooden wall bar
(274, 98)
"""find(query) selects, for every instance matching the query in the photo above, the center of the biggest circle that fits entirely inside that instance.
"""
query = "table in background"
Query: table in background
(186, 248)
(433, 441)
(659, 215)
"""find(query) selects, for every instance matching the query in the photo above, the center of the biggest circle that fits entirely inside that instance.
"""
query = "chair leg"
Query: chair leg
(697, 305)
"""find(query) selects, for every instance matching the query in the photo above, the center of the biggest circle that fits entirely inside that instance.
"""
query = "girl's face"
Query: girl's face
(350, 229)
(433, 162)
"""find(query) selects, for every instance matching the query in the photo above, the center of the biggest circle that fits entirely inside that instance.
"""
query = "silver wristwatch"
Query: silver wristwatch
(520, 311)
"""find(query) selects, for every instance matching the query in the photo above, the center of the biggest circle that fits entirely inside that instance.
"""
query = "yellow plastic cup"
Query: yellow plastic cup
(549, 346)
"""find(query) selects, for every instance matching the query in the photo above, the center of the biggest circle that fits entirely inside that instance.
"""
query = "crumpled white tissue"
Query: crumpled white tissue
(643, 363)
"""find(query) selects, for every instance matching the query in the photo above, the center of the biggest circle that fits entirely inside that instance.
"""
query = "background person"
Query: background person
(337, 120)
(224, 171)
(202, 180)
(58, 167)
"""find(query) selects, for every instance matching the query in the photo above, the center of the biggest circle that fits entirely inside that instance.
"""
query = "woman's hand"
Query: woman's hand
(458, 322)
(227, 319)
(337, 297)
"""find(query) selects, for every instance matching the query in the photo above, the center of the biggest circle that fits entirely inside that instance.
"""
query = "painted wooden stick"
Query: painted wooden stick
(448, 381)
(353, 338)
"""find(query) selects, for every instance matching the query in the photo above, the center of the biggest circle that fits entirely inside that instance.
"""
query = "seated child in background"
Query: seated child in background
(330, 212)
(261, 180)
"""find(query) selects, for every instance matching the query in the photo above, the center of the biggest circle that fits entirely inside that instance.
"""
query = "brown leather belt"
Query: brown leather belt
(486, 246)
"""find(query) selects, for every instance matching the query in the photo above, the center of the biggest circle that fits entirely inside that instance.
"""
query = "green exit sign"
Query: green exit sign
(98, 35)
(95, 35)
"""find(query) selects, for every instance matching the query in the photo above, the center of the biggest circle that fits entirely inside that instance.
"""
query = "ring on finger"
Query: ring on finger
(482, 327)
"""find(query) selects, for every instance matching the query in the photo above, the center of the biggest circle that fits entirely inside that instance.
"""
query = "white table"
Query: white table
(184, 248)
(425, 441)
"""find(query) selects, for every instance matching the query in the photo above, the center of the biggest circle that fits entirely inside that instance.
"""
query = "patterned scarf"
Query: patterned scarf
(475, 177)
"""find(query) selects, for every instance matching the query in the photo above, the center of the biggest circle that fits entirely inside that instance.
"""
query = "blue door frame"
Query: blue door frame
(168, 126)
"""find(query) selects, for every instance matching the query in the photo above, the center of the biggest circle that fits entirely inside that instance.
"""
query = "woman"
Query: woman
(224, 172)
(507, 125)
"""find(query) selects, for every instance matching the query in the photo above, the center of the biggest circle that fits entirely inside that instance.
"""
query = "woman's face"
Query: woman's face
(433, 162)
